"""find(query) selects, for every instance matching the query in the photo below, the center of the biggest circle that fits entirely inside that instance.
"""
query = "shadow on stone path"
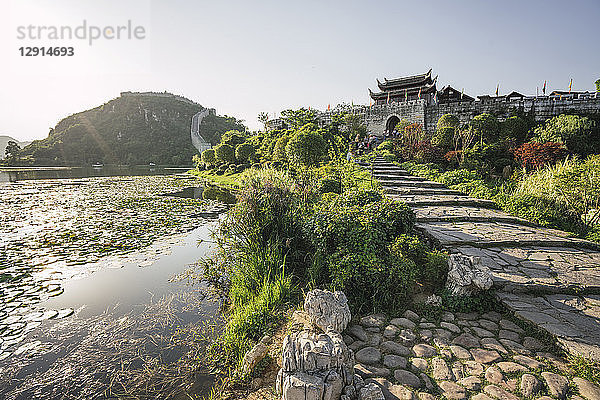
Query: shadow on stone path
(543, 275)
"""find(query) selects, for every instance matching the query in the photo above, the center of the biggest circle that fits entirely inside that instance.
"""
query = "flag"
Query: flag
(419, 94)
(405, 94)
(308, 108)
(544, 88)
(497, 86)
(370, 103)
(328, 107)
(435, 97)
(388, 98)
(570, 85)
(462, 93)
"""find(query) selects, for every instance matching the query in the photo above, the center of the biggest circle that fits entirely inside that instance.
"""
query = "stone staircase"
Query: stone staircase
(543, 275)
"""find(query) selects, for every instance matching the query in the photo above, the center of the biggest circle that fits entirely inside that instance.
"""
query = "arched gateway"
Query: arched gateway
(391, 123)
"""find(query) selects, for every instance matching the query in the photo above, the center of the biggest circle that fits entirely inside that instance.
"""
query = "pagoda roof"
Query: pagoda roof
(511, 95)
(448, 92)
(405, 82)
(427, 88)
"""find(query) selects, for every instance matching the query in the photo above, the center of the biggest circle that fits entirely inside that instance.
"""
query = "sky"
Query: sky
(245, 57)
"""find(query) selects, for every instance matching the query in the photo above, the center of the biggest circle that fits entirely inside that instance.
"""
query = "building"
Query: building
(408, 88)
(198, 140)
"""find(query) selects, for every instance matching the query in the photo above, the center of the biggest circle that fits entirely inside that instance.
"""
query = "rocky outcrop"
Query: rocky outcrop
(316, 364)
(467, 276)
(328, 310)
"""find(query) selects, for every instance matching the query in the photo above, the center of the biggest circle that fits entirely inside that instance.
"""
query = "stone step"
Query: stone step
(386, 176)
(410, 183)
(574, 320)
(419, 191)
(542, 269)
(499, 234)
(443, 200)
(439, 213)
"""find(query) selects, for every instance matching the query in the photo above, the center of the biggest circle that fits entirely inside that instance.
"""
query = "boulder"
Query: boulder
(467, 276)
(328, 310)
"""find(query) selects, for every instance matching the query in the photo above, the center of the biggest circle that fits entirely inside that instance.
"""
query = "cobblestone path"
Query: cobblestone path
(542, 275)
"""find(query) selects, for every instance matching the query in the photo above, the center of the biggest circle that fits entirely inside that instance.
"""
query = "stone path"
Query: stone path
(476, 356)
(543, 275)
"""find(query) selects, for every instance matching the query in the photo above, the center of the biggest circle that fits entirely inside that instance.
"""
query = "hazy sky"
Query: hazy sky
(243, 57)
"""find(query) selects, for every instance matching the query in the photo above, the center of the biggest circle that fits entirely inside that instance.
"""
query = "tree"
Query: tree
(244, 152)
(233, 138)
(279, 153)
(225, 153)
(12, 150)
(598, 85)
(263, 118)
(445, 131)
(514, 129)
(296, 119)
(448, 121)
(486, 127)
(208, 157)
(306, 147)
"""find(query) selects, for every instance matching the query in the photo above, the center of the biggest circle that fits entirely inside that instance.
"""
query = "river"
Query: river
(95, 299)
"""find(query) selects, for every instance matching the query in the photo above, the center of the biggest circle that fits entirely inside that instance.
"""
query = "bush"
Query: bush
(386, 145)
(306, 148)
(535, 155)
(444, 137)
(225, 153)
(448, 121)
(328, 185)
(514, 129)
(208, 157)
(573, 131)
(279, 149)
(486, 127)
(244, 152)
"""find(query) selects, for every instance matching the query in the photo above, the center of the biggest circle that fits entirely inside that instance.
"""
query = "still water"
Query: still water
(91, 306)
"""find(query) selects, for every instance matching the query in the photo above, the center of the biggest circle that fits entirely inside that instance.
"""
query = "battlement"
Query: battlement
(159, 94)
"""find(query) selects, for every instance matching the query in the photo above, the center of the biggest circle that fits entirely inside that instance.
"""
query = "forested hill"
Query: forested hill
(135, 128)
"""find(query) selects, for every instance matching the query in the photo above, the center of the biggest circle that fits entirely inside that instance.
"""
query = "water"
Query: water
(13, 174)
(87, 288)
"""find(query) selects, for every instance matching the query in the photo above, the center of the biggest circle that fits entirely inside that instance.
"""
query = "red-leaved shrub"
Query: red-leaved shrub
(534, 155)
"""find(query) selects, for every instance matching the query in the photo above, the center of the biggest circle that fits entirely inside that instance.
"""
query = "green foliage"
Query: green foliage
(233, 138)
(306, 147)
(486, 127)
(448, 121)
(329, 185)
(12, 150)
(208, 157)
(244, 152)
(132, 129)
(295, 119)
(444, 137)
(225, 153)
(598, 85)
(574, 131)
(279, 153)
(263, 118)
(218, 193)
(514, 129)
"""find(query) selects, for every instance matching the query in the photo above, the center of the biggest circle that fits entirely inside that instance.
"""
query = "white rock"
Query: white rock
(328, 310)
(467, 276)
(371, 392)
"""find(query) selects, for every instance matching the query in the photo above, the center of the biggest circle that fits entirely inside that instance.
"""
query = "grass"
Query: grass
(231, 181)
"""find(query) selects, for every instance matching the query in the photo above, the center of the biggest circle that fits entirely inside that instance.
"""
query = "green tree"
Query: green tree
(263, 118)
(233, 138)
(514, 129)
(574, 131)
(208, 157)
(296, 119)
(598, 85)
(445, 131)
(12, 150)
(306, 147)
(448, 121)
(225, 153)
(244, 152)
(486, 127)
(279, 153)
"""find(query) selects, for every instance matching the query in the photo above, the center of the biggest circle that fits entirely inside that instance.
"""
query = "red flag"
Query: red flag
(328, 107)
(497, 86)
(435, 97)
(419, 93)
(544, 88)
(370, 103)
(388, 98)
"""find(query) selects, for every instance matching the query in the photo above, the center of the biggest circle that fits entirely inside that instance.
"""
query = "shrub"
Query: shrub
(514, 129)
(306, 148)
(225, 153)
(208, 157)
(572, 130)
(535, 155)
(444, 137)
(328, 185)
(279, 149)
(426, 152)
(457, 176)
(386, 145)
(244, 152)
(448, 121)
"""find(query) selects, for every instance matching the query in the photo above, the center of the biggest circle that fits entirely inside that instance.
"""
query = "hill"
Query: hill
(4, 141)
(135, 128)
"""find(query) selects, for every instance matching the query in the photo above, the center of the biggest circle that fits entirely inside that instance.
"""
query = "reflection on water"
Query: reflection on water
(67, 332)
(13, 174)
